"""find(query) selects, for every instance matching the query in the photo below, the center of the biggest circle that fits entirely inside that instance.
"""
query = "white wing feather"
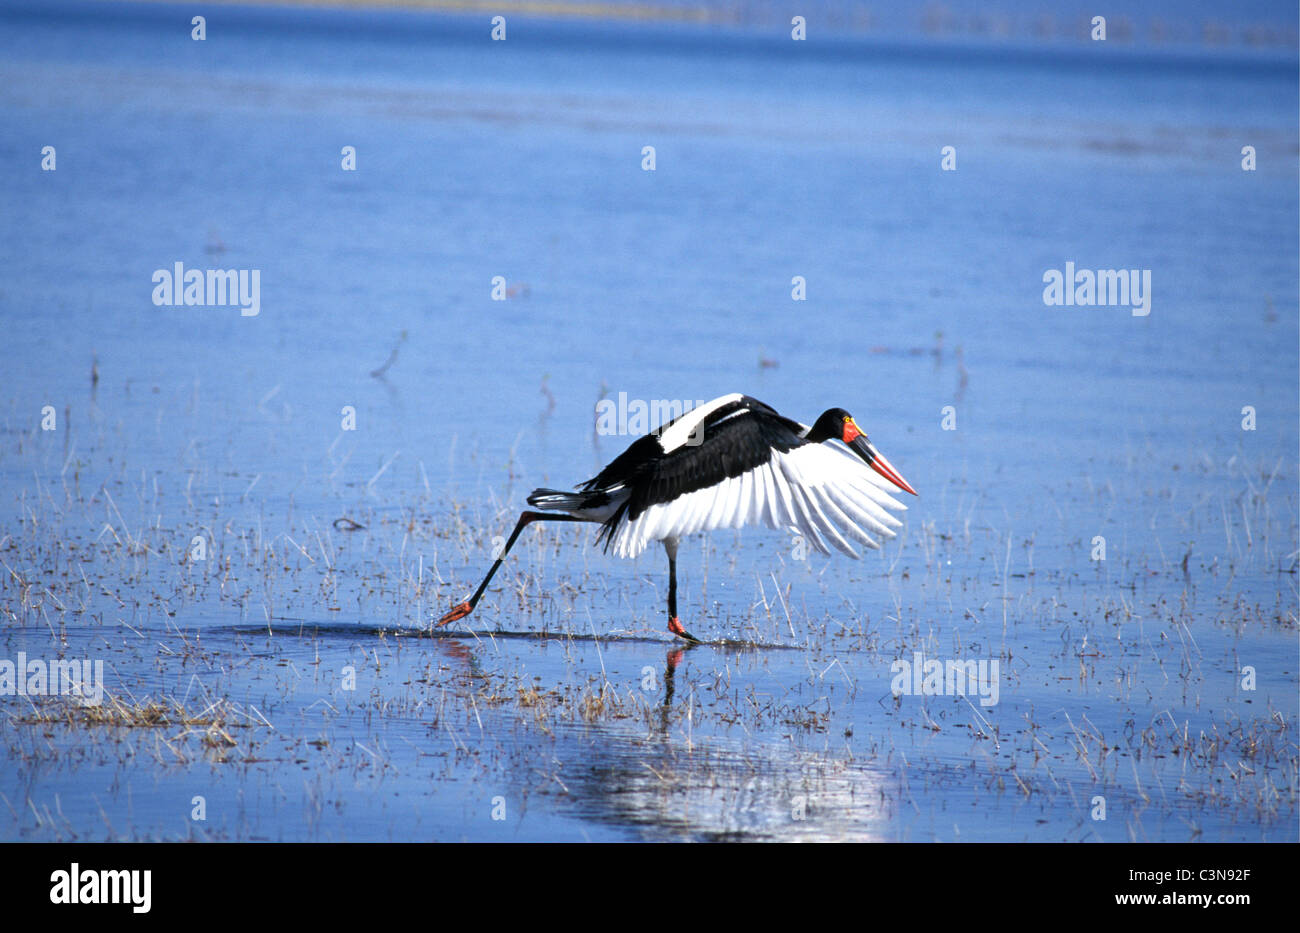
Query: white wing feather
(823, 492)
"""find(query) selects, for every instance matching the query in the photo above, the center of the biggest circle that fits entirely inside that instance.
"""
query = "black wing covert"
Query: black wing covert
(736, 439)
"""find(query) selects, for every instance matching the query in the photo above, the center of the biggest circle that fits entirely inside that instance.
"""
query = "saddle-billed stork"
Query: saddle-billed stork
(725, 464)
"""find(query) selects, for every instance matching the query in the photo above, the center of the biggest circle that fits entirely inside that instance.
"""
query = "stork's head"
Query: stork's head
(837, 424)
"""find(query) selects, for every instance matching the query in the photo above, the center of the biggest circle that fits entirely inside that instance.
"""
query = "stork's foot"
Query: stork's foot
(675, 626)
(457, 612)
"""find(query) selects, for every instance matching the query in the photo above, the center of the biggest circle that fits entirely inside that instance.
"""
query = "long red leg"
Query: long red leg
(674, 624)
(525, 519)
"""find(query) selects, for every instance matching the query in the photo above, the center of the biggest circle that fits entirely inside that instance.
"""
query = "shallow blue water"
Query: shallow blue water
(523, 159)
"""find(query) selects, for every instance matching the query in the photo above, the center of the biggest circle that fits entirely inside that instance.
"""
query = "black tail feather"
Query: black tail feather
(561, 501)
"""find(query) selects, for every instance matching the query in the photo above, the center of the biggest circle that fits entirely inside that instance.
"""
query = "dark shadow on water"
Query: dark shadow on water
(351, 630)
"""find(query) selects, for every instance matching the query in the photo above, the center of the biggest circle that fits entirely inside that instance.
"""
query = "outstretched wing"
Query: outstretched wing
(751, 467)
